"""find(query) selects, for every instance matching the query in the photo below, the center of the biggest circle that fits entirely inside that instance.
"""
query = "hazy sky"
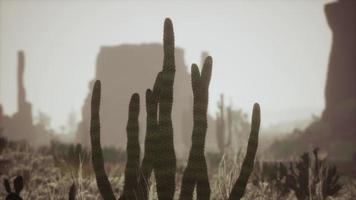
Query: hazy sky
(271, 52)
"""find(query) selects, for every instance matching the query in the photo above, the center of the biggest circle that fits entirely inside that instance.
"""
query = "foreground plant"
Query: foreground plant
(18, 186)
(310, 177)
(159, 155)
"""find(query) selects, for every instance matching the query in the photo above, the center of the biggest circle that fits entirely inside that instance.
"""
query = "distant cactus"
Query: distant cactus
(159, 148)
(68, 154)
(18, 186)
(165, 163)
(230, 121)
(220, 126)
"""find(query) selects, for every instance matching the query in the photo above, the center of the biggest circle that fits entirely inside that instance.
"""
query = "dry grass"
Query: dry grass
(44, 180)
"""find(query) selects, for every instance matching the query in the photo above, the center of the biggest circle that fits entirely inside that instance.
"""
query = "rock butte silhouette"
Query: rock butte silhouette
(126, 69)
(20, 126)
(340, 92)
(336, 131)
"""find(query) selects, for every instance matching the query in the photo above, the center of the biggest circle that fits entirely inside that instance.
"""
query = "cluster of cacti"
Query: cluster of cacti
(19, 184)
(159, 155)
(311, 178)
(308, 178)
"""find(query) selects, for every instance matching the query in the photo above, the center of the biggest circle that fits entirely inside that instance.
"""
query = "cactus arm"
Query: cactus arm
(97, 154)
(247, 165)
(196, 172)
(132, 149)
(189, 176)
(203, 186)
(165, 163)
(150, 138)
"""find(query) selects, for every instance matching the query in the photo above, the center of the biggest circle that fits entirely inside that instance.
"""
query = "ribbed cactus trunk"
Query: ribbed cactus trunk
(132, 150)
(165, 163)
(196, 172)
(151, 139)
(97, 154)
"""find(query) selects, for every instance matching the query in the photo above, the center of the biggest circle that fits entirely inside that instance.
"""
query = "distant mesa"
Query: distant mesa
(124, 70)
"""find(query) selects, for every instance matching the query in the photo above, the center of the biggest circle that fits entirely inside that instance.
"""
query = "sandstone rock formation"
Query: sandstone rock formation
(340, 92)
(126, 69)
(20, 126)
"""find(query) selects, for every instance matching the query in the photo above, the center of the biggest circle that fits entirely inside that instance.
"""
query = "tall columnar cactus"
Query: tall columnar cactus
(196, 172)
(132, 149)
(97, 153)
(159, 149)
(165, 163)
(247, 165)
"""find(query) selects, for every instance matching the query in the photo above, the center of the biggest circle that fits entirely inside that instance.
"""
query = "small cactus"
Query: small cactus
(18, 186)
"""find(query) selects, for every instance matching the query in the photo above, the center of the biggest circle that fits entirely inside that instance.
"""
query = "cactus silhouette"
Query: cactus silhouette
(196, 172)
(151, 138)
(132, 150)
(247, 165)
(305, 175)
(165, 163)
(220, 126)
(18, 186)
(159, 155)
(102, 180)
